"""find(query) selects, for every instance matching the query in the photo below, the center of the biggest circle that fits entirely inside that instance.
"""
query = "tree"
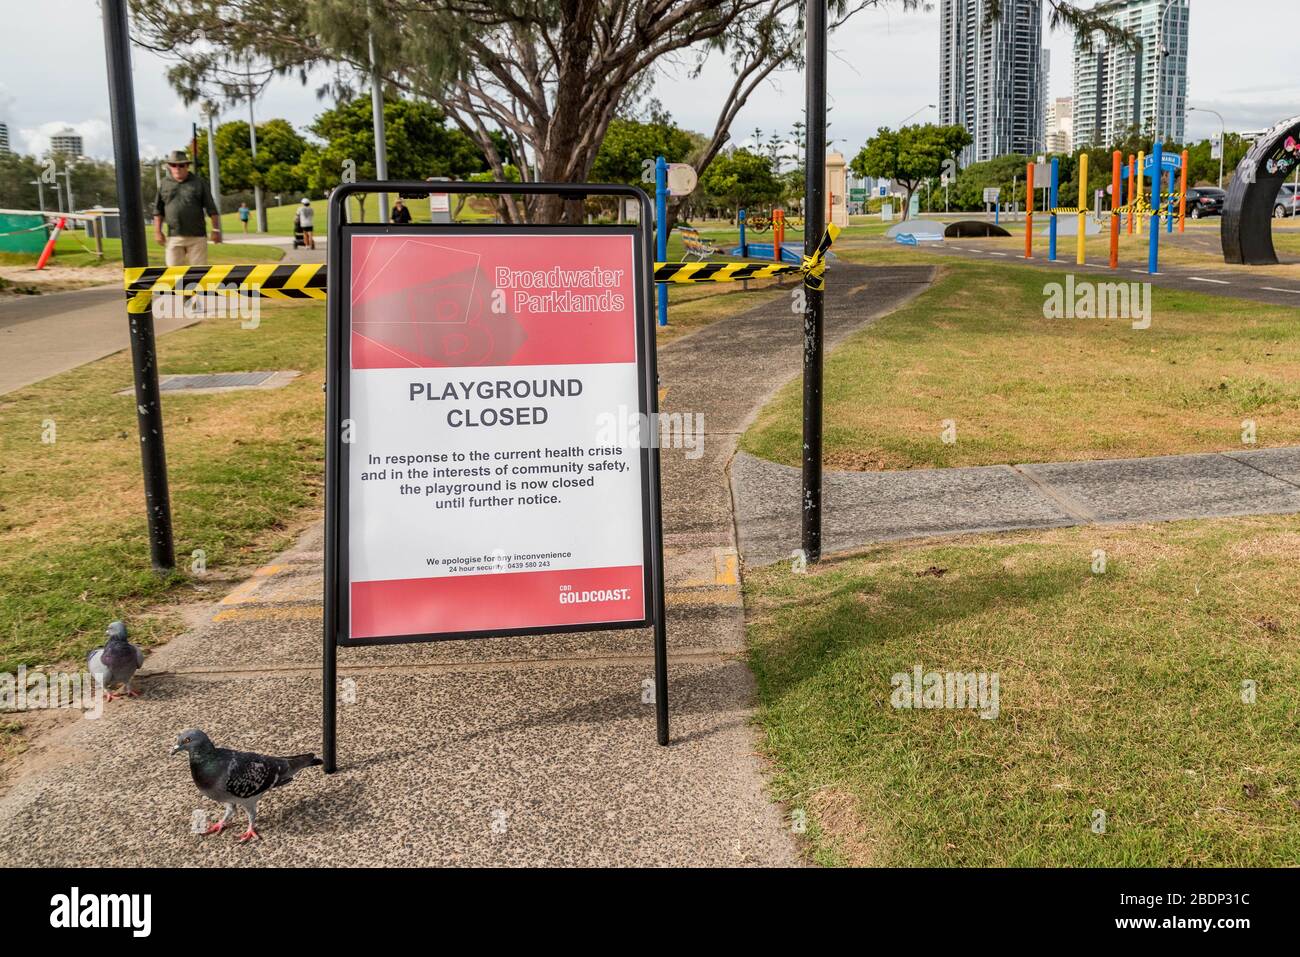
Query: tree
(910, 155)
(550, 76)
(741, 178)
(629, 143)
(419, 145)
(279, 151)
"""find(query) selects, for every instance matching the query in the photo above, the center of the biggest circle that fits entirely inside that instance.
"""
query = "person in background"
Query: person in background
(243, 215)
(401, 215)
(182, 201)
(304, 219)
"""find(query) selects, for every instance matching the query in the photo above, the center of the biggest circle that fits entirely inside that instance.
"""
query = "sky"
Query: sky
(883, 67)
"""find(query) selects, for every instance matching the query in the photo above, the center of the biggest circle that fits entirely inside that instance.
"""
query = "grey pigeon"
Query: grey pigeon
(237, 777)
(116, 662)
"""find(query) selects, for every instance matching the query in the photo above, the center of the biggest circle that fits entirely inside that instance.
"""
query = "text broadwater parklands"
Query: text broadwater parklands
(490, 390)
(505, 478)
(556, 290)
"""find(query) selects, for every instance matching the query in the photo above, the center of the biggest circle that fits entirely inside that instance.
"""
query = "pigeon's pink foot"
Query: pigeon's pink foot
(109, 696)
(131, 693)
(249, 835)
(216, 828)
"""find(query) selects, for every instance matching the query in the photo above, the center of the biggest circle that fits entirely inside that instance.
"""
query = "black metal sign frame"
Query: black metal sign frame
(338, 406)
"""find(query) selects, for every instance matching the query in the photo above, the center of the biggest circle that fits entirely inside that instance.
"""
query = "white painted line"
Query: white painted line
(1276, 289)
(992, 253)
(1220, 282)
(1140, 272)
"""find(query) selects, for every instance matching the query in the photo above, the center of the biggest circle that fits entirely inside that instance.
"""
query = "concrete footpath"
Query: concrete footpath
(861, 508)
(535, 750)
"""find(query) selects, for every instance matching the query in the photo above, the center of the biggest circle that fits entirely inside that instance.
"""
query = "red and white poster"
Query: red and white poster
(494, 469)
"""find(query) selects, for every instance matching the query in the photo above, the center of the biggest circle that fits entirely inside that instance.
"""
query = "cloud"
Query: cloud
(96, 135)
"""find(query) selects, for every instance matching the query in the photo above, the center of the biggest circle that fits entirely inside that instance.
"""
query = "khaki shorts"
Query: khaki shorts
(187, 250)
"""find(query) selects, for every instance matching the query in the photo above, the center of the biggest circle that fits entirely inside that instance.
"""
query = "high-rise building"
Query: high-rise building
(990, 75)
(1060, 125)
(1118, 87)
(67, 141)
(4, 138)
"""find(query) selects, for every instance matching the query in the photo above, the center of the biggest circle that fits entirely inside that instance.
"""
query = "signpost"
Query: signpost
(815, 202)
(491, 464)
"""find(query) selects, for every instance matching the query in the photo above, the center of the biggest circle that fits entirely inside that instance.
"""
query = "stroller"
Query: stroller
(297, 234)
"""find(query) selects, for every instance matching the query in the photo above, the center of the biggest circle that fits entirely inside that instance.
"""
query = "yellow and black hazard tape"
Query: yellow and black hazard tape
(308, 281)
(813, 268)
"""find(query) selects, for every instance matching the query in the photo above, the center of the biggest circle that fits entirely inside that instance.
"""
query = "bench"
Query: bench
(695, 246)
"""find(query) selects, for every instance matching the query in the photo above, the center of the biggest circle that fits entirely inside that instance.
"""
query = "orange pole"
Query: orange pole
(1131, 211)
(1182, 193)
(778, 233)
(1116, 194)
(1029, 210)
(49, 246)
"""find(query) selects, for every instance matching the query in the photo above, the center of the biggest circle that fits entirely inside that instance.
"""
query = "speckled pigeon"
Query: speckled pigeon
(116, 662)
(237, 777)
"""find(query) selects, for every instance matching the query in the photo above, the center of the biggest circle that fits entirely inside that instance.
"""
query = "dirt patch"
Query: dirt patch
(861, 838)
(55, 278)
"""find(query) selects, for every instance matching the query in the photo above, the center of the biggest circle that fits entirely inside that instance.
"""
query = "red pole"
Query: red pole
(49, 246)
(1029, 210)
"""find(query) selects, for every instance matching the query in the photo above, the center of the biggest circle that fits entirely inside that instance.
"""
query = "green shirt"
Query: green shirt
(182, 205)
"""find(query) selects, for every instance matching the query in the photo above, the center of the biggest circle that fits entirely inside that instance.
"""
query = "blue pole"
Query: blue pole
(744, 246)
(661, 234)
(1153, 248)
(997, 206)
(1051, 203)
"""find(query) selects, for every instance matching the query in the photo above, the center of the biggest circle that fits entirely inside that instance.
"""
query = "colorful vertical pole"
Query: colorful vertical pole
(778, 233)
(661, 232)
(1141, 185)
(1029, 211)
(1153, 246)
(1131, 211)
(1116, 199)
(1182, 193)
(744, 246)
(1051, 205)
(1083, 208)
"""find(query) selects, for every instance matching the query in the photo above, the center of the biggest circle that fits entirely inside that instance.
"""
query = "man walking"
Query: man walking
(183, 199)
(305, 220)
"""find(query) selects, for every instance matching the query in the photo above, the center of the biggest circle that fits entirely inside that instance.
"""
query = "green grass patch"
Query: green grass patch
(1120, 691)
(977, 350)
(243, 466)
(76, 249)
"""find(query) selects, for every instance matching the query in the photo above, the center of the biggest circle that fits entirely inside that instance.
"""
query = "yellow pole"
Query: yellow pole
(1142, 187)
(1083, 205)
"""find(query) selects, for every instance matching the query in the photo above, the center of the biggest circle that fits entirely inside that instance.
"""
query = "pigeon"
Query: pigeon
(116, 662)
(237, 777)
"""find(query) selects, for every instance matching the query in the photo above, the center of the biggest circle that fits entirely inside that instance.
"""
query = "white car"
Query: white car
(1287, 202)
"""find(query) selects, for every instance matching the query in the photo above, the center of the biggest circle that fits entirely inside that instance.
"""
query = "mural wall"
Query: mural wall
(1247, 230)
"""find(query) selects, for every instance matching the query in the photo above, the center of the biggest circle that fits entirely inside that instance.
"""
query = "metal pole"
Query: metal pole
(1051, 208)
(815, 225)
(214, 171)
(377, 109)
(1153, 241)
(661, 234)
(40, 192)
(144, 360)
(252, 144)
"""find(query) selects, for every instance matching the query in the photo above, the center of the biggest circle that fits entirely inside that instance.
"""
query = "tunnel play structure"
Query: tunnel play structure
(1247, 229)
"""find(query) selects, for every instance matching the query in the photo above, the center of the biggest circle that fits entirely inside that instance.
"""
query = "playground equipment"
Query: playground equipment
(1168, 203)
(776, 250)
(1246, 232)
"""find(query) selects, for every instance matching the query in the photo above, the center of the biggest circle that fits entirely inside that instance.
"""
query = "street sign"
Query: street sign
(1042, 172)
(681, 179)
(884, 189)
(991, 193)
(1216, 146)
(492, 462)
(857, 194)
(1168, 161)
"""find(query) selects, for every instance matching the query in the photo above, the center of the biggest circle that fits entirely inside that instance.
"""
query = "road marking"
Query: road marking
(992, 253)
(245, 591)
(1220, 282)
(1277, 289)
(725, 567)
(283, 613)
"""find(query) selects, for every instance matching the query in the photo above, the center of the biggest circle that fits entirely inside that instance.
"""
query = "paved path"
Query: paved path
(506, 751)
(865, 507)
(41, 336)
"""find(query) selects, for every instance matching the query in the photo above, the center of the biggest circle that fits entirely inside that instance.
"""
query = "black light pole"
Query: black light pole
(815, 225)
(144, 359)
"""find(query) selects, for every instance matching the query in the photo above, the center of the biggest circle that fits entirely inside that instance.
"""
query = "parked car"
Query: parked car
(1287, 202)
(1205, 201)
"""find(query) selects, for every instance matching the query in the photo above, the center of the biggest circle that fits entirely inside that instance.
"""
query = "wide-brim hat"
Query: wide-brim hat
(175, 157)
